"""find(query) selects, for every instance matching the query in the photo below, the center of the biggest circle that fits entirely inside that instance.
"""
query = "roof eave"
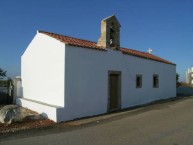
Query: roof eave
(170, 63)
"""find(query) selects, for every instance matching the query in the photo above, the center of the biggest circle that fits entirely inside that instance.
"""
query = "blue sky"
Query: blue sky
(166, 26)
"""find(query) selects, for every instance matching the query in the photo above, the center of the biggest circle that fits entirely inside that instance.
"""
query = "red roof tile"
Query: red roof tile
(144, 55)
(74, 41)
(93, 45)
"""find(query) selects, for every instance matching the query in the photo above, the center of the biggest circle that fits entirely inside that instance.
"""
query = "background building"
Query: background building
(189, 75)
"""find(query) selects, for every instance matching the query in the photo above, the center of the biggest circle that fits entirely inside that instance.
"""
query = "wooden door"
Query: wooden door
(114, 91)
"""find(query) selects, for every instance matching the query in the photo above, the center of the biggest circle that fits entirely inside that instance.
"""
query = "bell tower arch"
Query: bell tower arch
(110, 33)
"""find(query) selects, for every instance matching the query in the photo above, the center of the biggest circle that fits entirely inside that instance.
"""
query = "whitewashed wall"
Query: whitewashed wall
(86, 81)
(65, 82)
(43, 70)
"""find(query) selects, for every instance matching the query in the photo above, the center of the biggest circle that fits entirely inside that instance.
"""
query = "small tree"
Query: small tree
(2, 73)
(177, 79)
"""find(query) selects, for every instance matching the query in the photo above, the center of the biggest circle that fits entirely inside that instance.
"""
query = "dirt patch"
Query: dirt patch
(25, 124)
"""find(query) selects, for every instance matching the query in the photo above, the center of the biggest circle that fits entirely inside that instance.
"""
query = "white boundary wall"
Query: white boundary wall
(46, 110)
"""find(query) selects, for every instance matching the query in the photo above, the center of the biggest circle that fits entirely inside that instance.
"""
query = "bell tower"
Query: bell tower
(110, 33)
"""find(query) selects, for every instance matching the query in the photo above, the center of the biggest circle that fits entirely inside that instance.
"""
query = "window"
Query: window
(138, 81)
(155, 81)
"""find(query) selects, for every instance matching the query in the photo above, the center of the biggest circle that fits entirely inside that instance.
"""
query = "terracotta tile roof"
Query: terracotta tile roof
(93, 45)
(144, 55)
(74, 41)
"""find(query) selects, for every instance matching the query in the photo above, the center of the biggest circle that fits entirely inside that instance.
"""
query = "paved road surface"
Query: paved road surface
(162, 124)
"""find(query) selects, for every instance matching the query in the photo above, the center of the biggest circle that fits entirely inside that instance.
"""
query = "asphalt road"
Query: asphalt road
(168, 123)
